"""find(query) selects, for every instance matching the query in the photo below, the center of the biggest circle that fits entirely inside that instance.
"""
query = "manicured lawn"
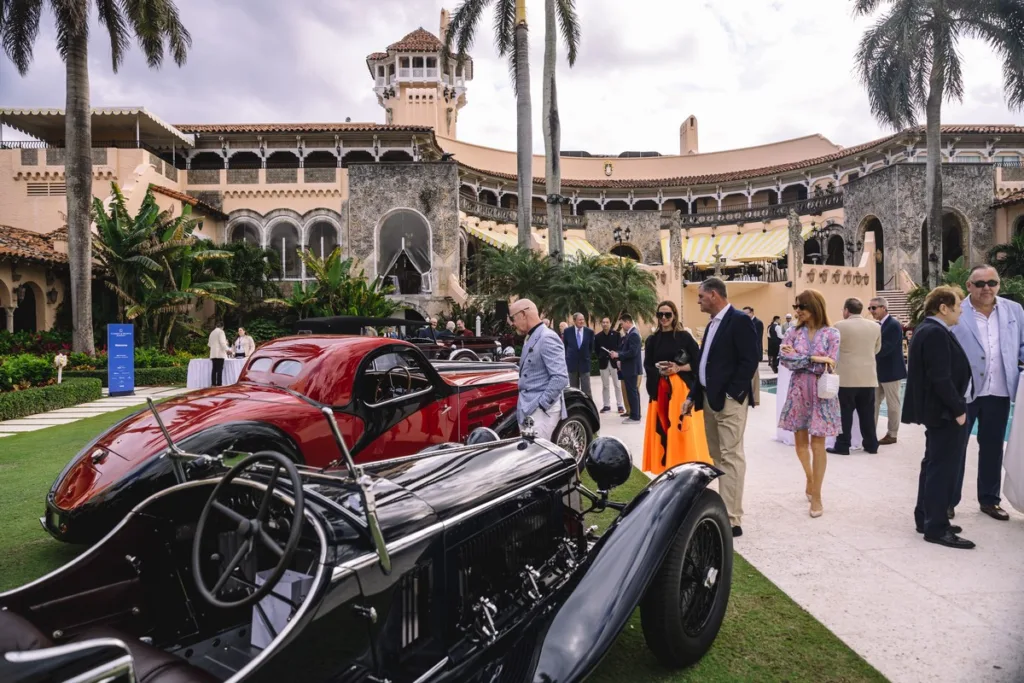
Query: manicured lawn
(765, 637)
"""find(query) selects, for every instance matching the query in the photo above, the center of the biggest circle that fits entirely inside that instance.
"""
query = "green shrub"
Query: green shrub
(144, 377)
(264, 329)
(26, 370)
(15, 404)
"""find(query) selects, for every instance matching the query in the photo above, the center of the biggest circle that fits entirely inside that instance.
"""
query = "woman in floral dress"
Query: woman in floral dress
(809, 348)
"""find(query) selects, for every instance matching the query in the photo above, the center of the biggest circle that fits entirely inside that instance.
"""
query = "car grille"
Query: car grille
(414, 601)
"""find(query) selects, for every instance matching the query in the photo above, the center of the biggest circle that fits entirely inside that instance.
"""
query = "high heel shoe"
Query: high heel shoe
(816, 513)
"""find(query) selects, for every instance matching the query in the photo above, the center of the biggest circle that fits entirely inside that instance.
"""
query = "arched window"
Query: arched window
(405, 258)
(207, 161)
(322, 239)
(836, 247)
(952, 239)
(396, 155)
(284, 239)
(245, 232)
(283, 160)
(794, 193)
(616, 205)
(585, 205)
(645, 205)
(320, 159)
(626, 251)
(488, 197)
(1018, 228)
(247, 160)
(356, 156)
(812, 252)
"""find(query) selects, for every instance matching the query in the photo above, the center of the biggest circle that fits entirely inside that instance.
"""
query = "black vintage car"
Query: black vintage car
(461, 563)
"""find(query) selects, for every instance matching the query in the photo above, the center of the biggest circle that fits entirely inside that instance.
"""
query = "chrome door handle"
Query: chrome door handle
(445, 409)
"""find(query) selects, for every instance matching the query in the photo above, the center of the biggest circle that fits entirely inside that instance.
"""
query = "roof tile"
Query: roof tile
(1015, 197)
(419, 40)
(190, 200)
(296, 128)
(33, 246)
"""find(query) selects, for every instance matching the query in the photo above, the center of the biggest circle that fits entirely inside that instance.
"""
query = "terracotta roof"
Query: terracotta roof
(377, 55)
(190, 200)
(296, 128)
(1015, 197)
(732, 176)
(419, 40)
(32, 246)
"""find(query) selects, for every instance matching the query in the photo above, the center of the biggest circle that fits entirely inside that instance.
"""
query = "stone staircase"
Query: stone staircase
(898, 307)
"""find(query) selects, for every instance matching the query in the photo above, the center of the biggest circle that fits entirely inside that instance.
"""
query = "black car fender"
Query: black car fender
(242, 436)
(616, 575)
(575, 401)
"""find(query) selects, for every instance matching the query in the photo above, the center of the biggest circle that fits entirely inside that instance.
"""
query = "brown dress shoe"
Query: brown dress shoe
(995, 512)
(887, 440)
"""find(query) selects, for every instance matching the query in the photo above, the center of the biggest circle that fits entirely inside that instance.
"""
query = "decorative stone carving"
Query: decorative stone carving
(55, 156)
(282, 175)
(644, 232)
(796, 240)
(320, 175)
(204, 176)
(29, 157)
(243, 176)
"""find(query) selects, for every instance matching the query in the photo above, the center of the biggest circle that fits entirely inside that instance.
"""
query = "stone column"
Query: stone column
(10, 318)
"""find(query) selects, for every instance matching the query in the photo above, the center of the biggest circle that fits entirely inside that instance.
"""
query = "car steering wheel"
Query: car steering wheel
(391, 381)
(250, 532)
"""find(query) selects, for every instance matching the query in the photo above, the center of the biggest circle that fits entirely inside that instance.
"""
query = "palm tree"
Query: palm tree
(632, 290)
(565, 10)
(1008, 258)
(581, 285)
(158, 27)
(521, 273)
(511, 38)
(335, 290)
(909, 63)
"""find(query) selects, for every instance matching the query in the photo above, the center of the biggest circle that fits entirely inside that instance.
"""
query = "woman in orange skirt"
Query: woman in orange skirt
(671, 359)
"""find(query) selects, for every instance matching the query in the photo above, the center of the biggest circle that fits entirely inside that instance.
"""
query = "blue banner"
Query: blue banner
(121, 359)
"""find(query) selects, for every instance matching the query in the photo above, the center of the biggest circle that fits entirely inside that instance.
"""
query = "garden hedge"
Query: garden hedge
(15, 404)
(144, 377)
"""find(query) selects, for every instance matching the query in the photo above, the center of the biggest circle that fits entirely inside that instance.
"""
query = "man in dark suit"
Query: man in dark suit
(728, 363)
(759, 329)
(579, 347)
(774, 343)
(630, 366)
(890, 366)
(936, 396)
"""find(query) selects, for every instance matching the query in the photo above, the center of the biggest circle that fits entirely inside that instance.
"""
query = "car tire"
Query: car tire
(680, 613)
(574, 435)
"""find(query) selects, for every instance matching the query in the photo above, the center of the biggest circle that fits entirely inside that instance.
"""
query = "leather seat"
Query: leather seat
(152, 665)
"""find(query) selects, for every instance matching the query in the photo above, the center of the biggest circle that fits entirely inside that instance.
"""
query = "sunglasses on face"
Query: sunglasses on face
(799, 307)
(667, 315)
(979, 284)
(873, 308)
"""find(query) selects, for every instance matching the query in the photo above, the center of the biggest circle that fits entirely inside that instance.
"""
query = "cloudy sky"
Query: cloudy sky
(752, 71)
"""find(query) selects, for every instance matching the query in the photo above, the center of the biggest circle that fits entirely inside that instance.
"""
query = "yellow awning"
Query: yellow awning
(579, 245)
(748, 246)
(498, 236)
(666, 250)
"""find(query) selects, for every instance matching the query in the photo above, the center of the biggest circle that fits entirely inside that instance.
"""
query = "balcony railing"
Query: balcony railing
(811, 206)
(503, 215)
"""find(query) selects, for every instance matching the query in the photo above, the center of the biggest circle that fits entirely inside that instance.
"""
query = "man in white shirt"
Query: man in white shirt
(991, 331)
(218, 344)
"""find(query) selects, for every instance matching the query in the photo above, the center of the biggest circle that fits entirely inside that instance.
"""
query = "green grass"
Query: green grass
(765, 636)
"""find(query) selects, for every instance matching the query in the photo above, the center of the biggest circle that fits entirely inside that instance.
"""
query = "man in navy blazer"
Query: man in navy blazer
(579, 347)
(630, 366)
(890, 367)
(991, 332)
(728, 361)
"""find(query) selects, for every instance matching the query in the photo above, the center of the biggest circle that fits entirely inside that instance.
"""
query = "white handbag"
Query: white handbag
(828, 384)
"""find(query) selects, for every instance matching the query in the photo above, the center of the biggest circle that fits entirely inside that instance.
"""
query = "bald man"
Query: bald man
(542, 372)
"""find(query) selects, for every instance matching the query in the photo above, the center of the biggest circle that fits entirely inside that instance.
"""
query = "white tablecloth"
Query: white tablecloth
(200, 372)
(781, 389)
(1013, 459)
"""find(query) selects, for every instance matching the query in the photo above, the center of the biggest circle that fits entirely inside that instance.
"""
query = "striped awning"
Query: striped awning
(579, 245)
(499, 236)
(748, 246)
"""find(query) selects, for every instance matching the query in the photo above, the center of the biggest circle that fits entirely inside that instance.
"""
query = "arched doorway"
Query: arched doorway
(25, 314)
(836, 247)
(1018, 228)
(812, 252)
(874, 225)
(626, 251)
(322, 240)
(404, 252)
(952, 239)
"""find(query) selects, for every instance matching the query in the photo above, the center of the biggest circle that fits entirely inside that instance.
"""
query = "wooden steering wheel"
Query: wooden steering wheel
(390, 377)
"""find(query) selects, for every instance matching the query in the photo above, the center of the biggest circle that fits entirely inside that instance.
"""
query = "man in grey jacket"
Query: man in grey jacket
(542, 371)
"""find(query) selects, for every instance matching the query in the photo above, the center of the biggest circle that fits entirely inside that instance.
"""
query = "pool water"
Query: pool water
(769, 387)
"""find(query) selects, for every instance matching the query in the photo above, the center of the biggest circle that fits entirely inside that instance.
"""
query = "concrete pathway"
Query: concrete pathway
(31, 423)
(914, 610)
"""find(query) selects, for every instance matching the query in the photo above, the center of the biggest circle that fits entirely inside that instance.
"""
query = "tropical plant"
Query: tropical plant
(511, 38)
(1008, 259)
(579, 285)
(568, 24)
(519, 273)
(909, 63)
(335, 290)
(158, 28)
(632, 290)
(254, 271)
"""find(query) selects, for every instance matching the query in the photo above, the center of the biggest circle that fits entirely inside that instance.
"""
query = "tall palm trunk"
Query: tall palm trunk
(552, 132)
(524, 126)
(932, 239)
(78, 177)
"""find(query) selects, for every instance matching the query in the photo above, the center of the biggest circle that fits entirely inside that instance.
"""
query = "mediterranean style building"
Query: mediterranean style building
(412, 203)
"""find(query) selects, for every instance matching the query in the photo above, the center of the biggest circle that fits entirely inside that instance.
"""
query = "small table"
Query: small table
(200, 372)
(1013, 459)
(781, 435)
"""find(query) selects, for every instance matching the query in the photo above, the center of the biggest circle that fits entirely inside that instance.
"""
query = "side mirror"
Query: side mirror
(101, 660)
(608, 462)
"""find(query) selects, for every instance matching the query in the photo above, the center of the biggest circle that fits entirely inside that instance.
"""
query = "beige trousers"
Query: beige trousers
(757, 386)
(724, 430)
(890, 392)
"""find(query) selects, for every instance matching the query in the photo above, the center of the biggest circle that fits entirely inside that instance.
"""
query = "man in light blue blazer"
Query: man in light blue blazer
(542, 371)
(991, 331)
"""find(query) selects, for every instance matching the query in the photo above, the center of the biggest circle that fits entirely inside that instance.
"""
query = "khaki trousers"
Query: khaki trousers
(890, 392)
(724, 430)
(757, 386)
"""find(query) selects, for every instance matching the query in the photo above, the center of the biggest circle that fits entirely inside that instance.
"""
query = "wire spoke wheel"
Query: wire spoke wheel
(574, 437)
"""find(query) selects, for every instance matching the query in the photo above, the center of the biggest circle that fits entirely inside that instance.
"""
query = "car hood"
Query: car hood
(478, 377)
(138, 438)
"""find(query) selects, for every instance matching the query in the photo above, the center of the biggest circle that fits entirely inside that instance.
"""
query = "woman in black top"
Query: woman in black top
(671, 359)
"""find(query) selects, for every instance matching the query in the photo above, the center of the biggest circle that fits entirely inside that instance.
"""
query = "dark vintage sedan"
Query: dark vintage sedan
(463, 563)
(388, 399)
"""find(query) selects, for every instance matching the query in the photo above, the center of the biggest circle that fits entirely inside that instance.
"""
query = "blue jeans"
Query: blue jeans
(992, 414)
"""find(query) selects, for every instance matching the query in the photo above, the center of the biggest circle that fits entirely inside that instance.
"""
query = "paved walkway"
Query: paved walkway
(915, 611)
(106, 404)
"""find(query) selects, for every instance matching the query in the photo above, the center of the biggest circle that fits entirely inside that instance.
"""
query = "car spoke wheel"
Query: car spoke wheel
(573, 434)
(684, 606)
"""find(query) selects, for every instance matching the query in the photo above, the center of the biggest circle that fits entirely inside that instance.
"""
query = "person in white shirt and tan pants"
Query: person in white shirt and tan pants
(218, 352)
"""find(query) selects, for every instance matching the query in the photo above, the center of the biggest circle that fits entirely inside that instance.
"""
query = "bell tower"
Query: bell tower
(688, 136)
(412, 85)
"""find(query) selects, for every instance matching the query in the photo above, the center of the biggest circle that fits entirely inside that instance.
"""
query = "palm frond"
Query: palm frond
(1000, 23)
(569, 23)
(461, 30)
(112, 18)
(19, 28)
(72, 20)
(504, 26)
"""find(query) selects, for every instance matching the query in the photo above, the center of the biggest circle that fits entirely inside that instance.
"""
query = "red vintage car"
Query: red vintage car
(388, 399)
